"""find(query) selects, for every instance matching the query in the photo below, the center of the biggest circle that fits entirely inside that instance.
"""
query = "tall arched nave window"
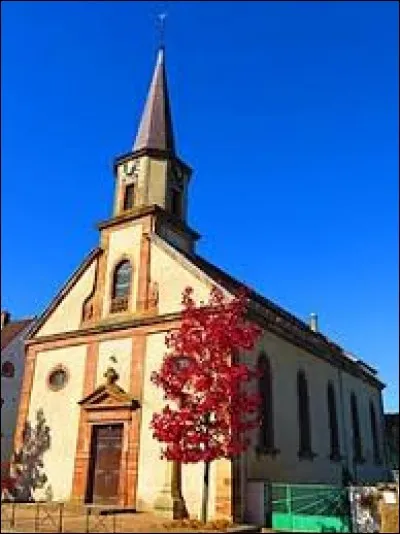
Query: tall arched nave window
(355, 421)
(305, 448)
(374, 433)
(333, 423)
(266, 433)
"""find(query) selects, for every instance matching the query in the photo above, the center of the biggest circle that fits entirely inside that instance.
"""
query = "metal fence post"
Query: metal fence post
(87, 519)
(60, 524)
(12, 521)
(289, 504)
(37, 518)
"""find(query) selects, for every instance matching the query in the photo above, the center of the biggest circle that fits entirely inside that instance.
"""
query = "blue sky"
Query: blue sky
(287, 111)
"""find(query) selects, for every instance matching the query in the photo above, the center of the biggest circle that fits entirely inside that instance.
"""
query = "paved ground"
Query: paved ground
(30, 518)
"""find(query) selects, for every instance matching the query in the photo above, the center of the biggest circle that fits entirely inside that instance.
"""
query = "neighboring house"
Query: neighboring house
(13, 335)
(392, 439)
(322, 408)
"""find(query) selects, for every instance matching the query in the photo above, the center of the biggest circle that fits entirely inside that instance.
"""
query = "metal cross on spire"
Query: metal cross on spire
(161, 28)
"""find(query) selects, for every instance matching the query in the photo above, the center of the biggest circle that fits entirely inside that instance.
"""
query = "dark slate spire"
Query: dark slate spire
(155, 129)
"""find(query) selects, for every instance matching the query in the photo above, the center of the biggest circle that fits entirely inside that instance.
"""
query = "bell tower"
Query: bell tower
(153, 174)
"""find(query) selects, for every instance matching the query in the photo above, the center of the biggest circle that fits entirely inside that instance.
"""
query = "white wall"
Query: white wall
(61, 411)
(121, 349)
(68, 314)
(286, 467)
(10, 392)
(153, 470)
(173, 277)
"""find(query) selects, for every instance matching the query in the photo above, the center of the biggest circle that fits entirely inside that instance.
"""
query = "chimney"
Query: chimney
(5, 317)
(314, 322)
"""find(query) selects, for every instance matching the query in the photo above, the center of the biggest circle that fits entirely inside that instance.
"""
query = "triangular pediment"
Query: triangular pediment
(109, 396)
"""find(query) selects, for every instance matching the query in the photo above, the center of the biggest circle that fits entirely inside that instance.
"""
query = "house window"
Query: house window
(57, 379)
(333, 423)
(356, 429)
(304, 417)
(7, 369)
(374, 433)
(121, 287)
(129, 197)
(266, 435)
(176, 202)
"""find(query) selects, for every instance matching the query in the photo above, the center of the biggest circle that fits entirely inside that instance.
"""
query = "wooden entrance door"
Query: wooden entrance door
(104, 471)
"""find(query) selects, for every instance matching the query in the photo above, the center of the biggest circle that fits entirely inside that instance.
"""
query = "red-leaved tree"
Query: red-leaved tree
(8, 482)
(202, 373)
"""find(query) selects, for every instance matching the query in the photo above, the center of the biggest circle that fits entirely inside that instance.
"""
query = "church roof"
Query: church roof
(282, 320)
(155, 128)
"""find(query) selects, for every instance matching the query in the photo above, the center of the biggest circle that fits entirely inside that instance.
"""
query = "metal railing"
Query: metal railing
(56, 517)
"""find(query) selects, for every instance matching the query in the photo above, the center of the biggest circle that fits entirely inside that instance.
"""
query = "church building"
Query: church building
(91, 353)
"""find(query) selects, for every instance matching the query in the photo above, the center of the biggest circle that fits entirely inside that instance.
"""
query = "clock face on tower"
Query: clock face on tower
(130, 170)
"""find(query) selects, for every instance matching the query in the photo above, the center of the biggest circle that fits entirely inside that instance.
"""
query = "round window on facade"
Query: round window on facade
(58, 378)
(7, 370)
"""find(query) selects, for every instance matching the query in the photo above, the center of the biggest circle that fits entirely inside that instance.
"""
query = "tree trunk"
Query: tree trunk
(179, 506)
(204, 504)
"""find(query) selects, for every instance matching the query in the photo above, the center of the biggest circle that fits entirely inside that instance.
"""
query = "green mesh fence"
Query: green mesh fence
(310, 508)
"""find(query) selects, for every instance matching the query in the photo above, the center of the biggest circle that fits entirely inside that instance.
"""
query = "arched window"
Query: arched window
(266, 435)
(129, 197)
(374, 433)
(333, 423)
(305, 449)
(121, 286)
(356, 429)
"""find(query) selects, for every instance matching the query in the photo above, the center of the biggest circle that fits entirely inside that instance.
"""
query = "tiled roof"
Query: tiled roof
(12, 329)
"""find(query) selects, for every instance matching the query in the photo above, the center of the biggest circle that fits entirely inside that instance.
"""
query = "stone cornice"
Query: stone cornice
(142, 211)
(311, 342)
(106, 326)
(152, 152)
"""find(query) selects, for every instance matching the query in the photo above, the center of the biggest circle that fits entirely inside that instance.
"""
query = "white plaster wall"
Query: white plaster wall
(62, 415)
(14, 352)
(121, 349)
(68, 314)
(173, 277)
(152, 470)
(125, 241)
(286, 359)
